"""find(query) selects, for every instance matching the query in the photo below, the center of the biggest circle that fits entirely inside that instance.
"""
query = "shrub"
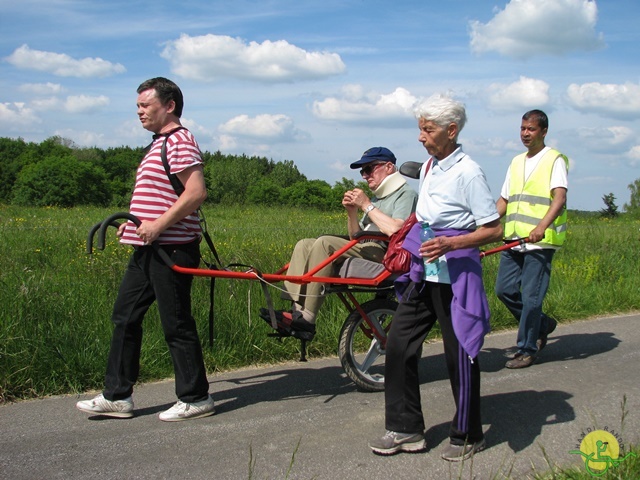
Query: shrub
(62, 182)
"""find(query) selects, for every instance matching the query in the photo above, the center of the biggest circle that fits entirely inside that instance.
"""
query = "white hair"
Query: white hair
(442, 110)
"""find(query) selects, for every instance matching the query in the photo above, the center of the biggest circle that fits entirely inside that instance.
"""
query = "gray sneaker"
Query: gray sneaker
(393, 442)
(101, 406)
(457, 453)
(185, 411)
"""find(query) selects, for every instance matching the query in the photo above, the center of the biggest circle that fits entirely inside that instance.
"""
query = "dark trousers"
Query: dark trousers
(421, 306)
(522, 283)
(148, 279)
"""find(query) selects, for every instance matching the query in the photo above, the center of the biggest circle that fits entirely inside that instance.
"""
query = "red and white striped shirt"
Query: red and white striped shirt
(153, 193)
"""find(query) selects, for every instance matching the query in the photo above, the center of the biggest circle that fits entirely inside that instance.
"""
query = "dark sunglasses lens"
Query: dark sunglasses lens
(368, 169)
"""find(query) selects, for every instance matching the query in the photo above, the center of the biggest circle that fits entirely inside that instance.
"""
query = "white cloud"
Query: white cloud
(263, 128)
(607, 100)
(256, 135)
(525, 94)
(618, 135)
(357, 106)
(634, 156)
(243, 146)
(227, 143)
(72, 104)
(47, 104)
(61, 64)
(526, 28)
(16, 115)
(42, 88)
(612, 140)
(83, 138)
(210, 57)
(338, 167)
(130, 132)
(85, 103)
(491, 147)
(195, 128)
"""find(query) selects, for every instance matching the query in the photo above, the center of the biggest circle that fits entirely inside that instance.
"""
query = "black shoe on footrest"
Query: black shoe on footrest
(290, 324)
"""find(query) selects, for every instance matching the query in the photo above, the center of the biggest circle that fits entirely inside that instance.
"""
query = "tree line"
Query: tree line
(56, 172)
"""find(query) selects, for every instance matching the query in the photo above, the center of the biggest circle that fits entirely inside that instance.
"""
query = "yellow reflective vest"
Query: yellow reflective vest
(529, 200)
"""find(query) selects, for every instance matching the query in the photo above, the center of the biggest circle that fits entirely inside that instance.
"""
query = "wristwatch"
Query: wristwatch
(369, 208)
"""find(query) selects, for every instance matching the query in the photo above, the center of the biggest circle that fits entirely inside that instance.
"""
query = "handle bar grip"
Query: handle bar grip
(102, 233)
(102, 229)
(111, 221)
(93, 231)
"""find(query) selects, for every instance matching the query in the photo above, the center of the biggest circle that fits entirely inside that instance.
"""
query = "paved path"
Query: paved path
(309, 421)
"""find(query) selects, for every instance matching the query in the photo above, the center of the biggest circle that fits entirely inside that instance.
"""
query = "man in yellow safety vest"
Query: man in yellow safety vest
(533, 202)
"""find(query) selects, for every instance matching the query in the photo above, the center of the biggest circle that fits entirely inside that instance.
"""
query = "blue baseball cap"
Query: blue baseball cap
(375, 154)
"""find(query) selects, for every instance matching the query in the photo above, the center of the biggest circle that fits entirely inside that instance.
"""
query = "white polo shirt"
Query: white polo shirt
(454, 193)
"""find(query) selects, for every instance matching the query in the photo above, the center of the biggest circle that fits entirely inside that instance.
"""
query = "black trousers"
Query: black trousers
(421, 305)
(148, 279)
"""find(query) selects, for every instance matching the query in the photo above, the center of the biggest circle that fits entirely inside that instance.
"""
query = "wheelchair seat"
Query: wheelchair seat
(354, 267)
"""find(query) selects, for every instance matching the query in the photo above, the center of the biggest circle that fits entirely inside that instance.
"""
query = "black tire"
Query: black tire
(361, 354)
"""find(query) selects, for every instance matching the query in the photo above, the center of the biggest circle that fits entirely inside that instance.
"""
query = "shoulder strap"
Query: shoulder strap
(426, 170)
(175, 181)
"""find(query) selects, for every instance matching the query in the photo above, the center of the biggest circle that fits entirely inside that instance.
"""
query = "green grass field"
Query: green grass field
(56, 300)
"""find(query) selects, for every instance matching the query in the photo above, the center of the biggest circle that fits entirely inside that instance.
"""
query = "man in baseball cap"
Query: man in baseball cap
(393, 202)
(375, 154)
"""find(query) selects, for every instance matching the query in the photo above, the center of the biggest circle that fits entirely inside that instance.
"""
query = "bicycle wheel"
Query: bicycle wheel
(361, 353)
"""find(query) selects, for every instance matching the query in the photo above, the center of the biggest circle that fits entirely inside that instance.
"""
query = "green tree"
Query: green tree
(55, 146)
(11, 152)
(58, 172)
(633, 207)
(229, 178)
(286, 174)
(611, 209)
(94, 155)
(62, 182)
(313, 193)
(120, 165)
(264, 192)
(340, 188)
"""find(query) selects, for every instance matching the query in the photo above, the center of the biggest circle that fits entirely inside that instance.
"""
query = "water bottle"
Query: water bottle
(426, 233)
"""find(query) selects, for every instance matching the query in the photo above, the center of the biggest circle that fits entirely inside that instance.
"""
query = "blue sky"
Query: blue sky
(320, 82)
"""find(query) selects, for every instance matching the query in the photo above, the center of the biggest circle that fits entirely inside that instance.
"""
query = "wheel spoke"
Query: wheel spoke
(361, 351)
(372, 355)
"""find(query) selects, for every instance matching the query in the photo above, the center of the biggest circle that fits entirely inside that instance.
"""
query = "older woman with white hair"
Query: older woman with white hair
(454, 198)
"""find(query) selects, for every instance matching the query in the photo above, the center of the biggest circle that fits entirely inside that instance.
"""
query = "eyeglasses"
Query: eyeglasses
(369, 169)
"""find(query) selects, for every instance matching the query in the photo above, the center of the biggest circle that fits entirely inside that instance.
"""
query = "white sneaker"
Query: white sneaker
(185, 411)
(101, 406)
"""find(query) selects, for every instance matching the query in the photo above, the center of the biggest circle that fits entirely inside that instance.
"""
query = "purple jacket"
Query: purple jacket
(469, 306)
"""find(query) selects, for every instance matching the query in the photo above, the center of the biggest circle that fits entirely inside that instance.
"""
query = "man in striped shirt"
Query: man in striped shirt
(172, 221)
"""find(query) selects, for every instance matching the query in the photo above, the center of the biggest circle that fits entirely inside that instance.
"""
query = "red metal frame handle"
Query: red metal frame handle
(308, 277)
(506, 246)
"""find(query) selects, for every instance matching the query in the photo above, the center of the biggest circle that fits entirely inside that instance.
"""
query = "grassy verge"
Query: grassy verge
(56, 300)
(625, 470)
